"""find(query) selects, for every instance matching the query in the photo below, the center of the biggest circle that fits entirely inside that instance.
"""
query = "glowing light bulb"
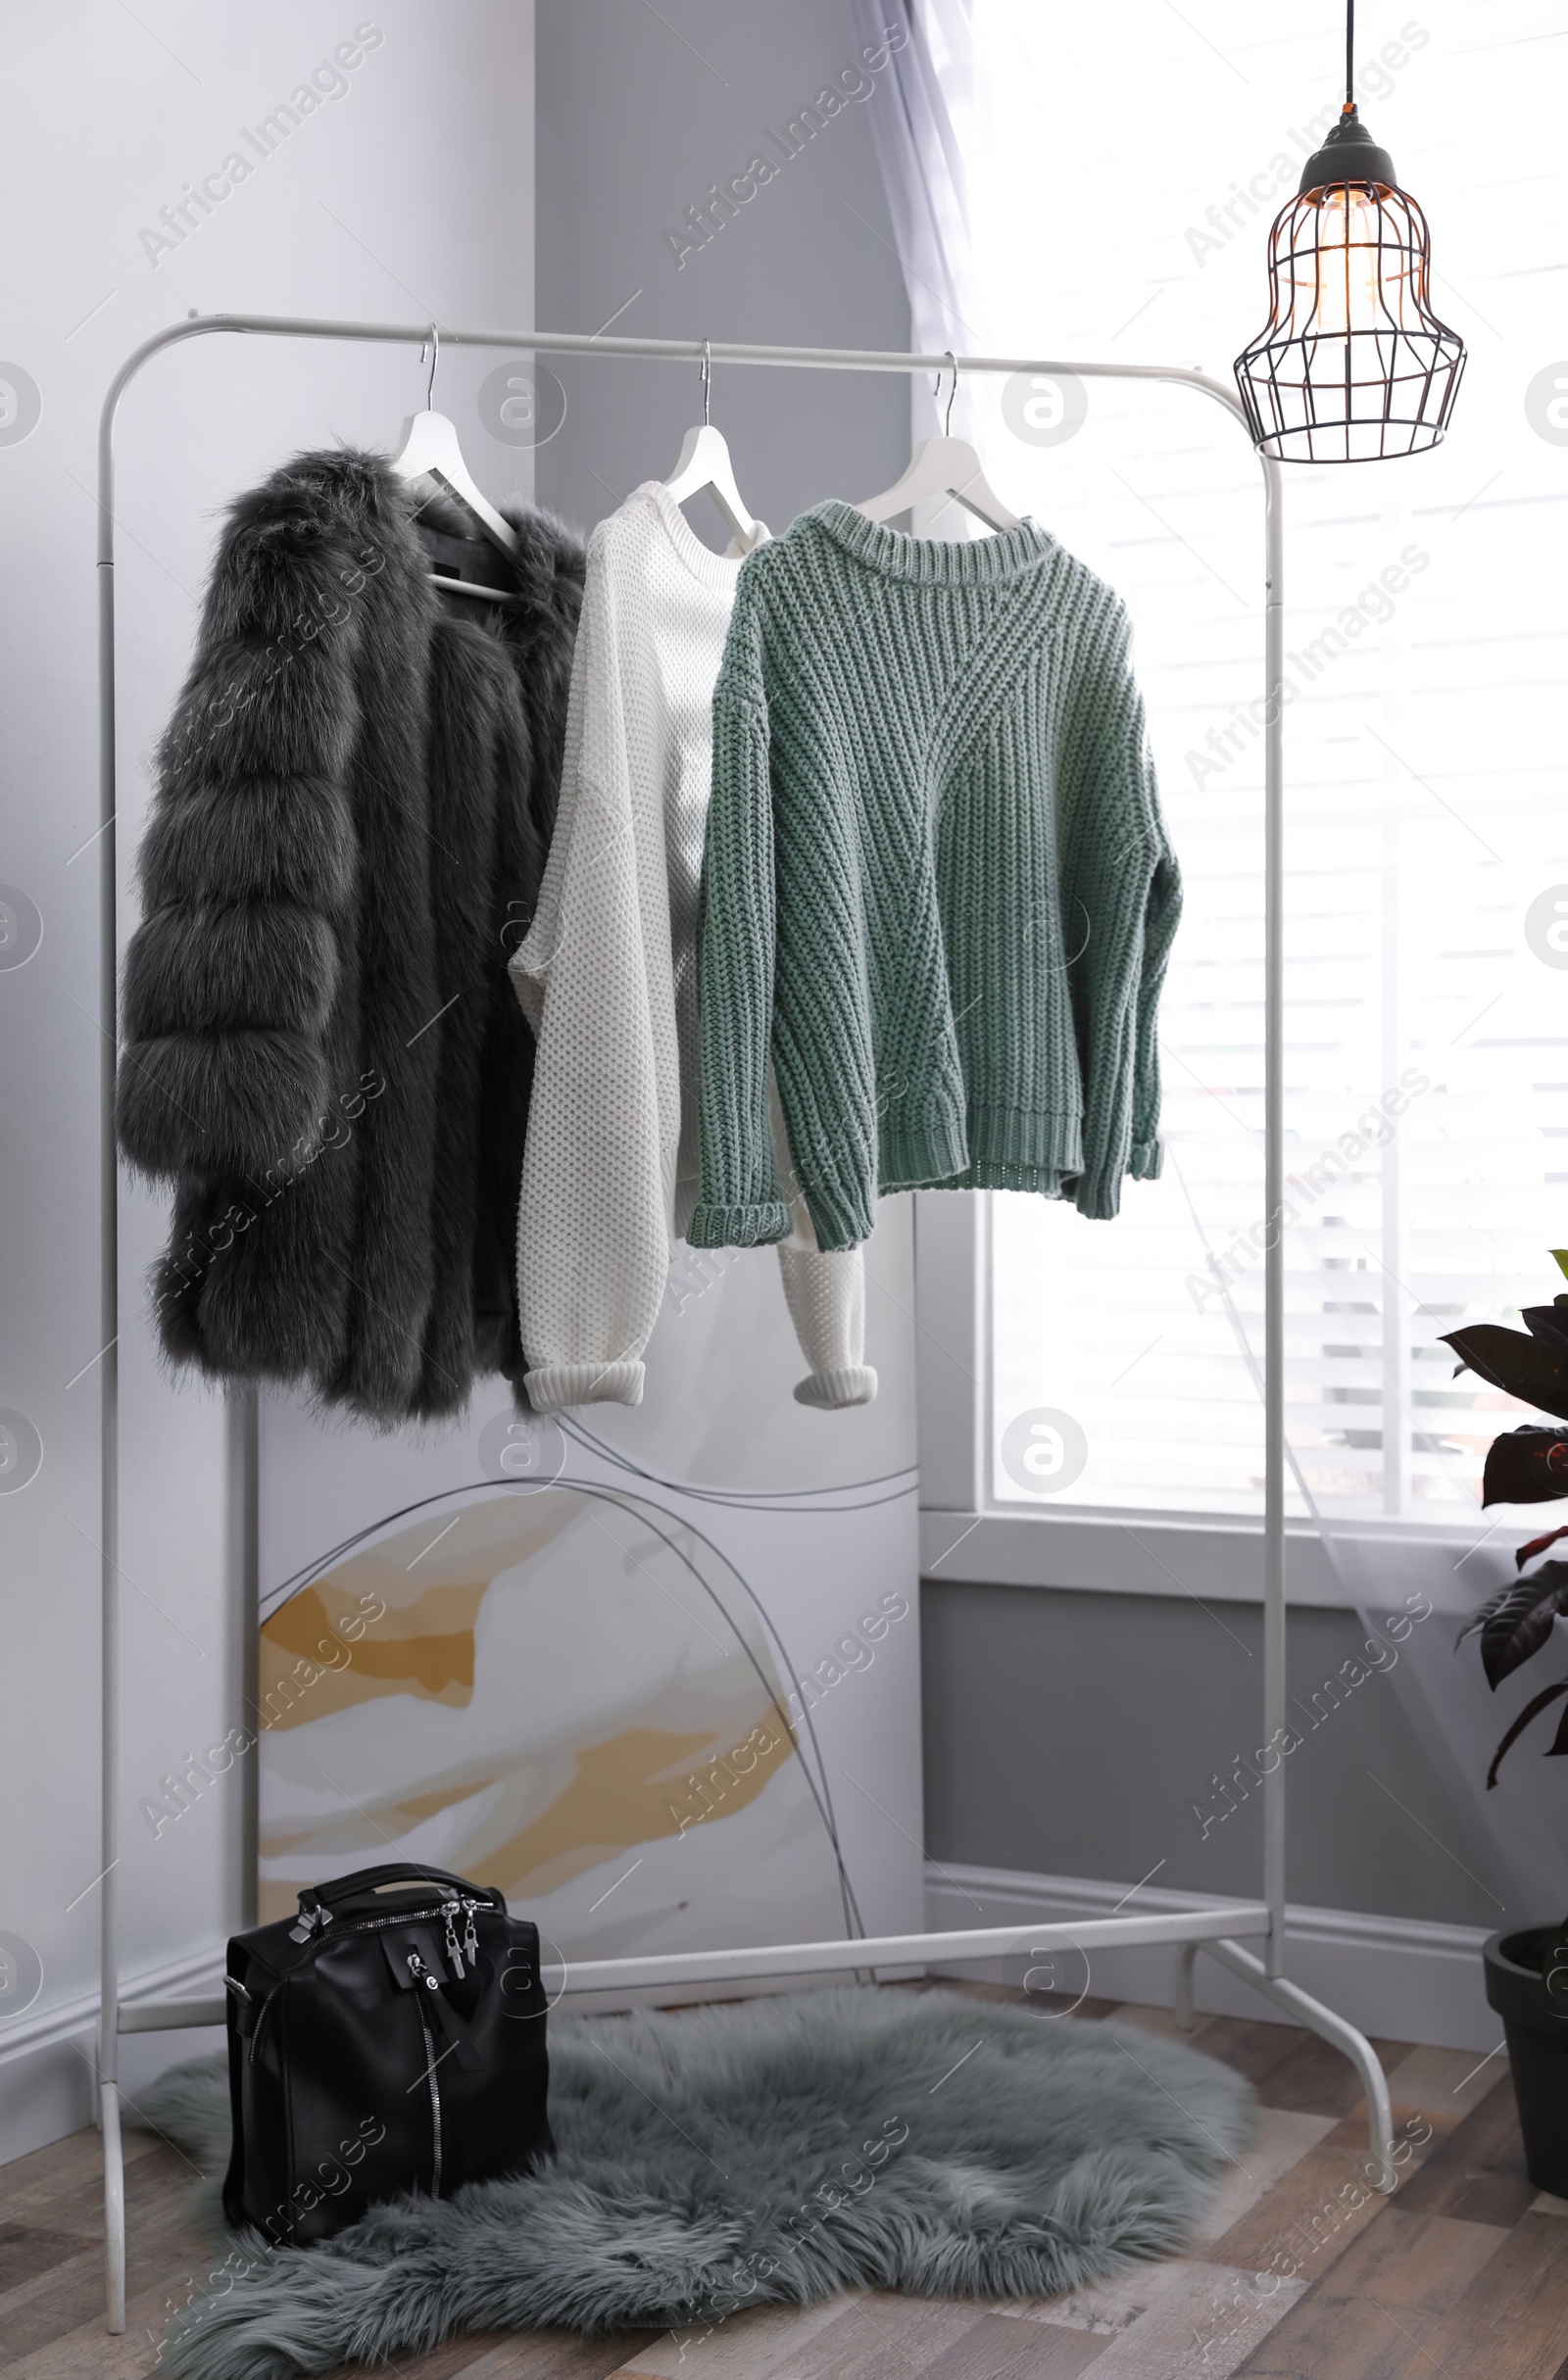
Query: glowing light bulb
(1357, 268)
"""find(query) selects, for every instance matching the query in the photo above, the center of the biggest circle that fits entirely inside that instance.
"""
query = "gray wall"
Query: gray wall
(1072, 1734)
(638, 112)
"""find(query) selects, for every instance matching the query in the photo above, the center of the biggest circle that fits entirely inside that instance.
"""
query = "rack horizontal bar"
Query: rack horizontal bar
(906, 1950)
(570, 1976)
(172, 2016)
(665, 351)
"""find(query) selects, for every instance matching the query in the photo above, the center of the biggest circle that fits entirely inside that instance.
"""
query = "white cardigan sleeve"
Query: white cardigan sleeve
(595, 978)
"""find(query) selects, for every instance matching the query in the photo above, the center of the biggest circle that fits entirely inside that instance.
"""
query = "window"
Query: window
(1427, 854)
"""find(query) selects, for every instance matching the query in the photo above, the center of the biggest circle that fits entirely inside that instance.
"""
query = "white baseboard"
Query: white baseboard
(1398, 1978)
(48, 2065)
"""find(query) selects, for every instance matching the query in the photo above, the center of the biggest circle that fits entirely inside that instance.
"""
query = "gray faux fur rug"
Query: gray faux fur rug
(777, 2150)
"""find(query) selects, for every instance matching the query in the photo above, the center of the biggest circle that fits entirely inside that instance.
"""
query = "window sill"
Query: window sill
(1216, 1561)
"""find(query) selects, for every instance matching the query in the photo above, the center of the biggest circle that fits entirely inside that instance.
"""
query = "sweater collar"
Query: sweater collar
(716, 570)
(933, 562)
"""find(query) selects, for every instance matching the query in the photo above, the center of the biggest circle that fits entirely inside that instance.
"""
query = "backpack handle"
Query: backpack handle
(396, 1871)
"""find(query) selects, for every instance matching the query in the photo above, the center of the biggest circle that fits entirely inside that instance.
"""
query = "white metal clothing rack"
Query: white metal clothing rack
(1214, 1930)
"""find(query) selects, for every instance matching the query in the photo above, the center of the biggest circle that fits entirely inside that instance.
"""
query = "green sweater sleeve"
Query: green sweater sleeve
(742, 1202)
(1121, 866)
(1162, 915)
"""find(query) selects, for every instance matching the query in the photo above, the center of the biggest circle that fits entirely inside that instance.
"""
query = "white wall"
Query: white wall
(407, 194)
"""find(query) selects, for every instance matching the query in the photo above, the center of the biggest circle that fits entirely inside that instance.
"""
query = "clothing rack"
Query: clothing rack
(1215, 1930)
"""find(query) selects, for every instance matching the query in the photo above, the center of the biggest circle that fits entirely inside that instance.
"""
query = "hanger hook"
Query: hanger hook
(433, 345)
(946, 418)
(708, 382)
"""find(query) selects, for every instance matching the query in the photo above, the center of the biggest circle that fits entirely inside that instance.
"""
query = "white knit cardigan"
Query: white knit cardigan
(607, 978)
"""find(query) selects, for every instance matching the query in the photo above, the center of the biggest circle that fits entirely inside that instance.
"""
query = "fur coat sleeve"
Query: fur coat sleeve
(279, 1062)
(249, 866)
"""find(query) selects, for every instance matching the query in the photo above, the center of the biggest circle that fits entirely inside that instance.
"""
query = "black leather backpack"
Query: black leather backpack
(382, 2041)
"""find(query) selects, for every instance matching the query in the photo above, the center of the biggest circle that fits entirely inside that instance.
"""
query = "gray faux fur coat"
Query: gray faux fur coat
(321, 1051)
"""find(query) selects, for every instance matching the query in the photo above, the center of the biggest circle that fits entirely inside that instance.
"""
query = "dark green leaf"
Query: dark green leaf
(1537, 1545)
(1532, 1710)
(1517, 1621)
(1514, 1362)
(1527, 1466)
(1481, 1615)
(1548, 1324)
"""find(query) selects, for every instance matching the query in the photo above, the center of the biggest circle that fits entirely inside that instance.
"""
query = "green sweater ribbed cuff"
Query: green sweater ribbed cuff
(843, 1212)
(739, 1227)
(1098, 1191)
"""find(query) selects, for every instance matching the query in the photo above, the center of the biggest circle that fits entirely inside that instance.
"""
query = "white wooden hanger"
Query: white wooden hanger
(943, 467)
(429, 450)
(705, 464)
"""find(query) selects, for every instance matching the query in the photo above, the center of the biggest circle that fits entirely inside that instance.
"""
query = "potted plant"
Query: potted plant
(1527, 1969)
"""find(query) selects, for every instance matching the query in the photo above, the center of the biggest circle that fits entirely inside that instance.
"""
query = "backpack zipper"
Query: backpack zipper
(435, 2100)
(408, 1917)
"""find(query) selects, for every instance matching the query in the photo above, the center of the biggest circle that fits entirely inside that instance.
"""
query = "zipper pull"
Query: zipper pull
(471, 1940)
(308, 1921)
(452, 1952)
(421, 1973)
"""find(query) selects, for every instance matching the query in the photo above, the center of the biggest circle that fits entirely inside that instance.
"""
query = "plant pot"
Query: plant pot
(1534, 2024)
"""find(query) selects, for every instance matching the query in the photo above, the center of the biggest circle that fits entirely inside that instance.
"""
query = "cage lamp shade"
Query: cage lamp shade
(1352, 365)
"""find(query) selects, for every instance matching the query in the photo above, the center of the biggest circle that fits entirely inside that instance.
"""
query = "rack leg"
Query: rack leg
(1344, 2037)
(114, 2208)
(1186, 1961)
(109, 1414)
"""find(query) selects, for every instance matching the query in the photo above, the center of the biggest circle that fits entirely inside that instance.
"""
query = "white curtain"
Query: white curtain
(916, 127)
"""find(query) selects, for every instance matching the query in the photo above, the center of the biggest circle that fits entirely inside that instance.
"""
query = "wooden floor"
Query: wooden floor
(1300, 2272)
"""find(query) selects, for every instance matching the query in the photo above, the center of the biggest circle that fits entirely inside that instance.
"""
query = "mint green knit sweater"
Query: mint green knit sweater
(938, 893)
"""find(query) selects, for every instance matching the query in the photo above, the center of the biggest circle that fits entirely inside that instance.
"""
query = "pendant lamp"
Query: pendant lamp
(1352, 365)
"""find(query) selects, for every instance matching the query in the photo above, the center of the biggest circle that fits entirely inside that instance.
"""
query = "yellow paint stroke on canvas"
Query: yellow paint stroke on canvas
(316, 1658)
(637, 1786)
(426, 1649)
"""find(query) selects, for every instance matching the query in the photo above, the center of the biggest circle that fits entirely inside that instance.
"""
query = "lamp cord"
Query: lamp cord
(1350, 53)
